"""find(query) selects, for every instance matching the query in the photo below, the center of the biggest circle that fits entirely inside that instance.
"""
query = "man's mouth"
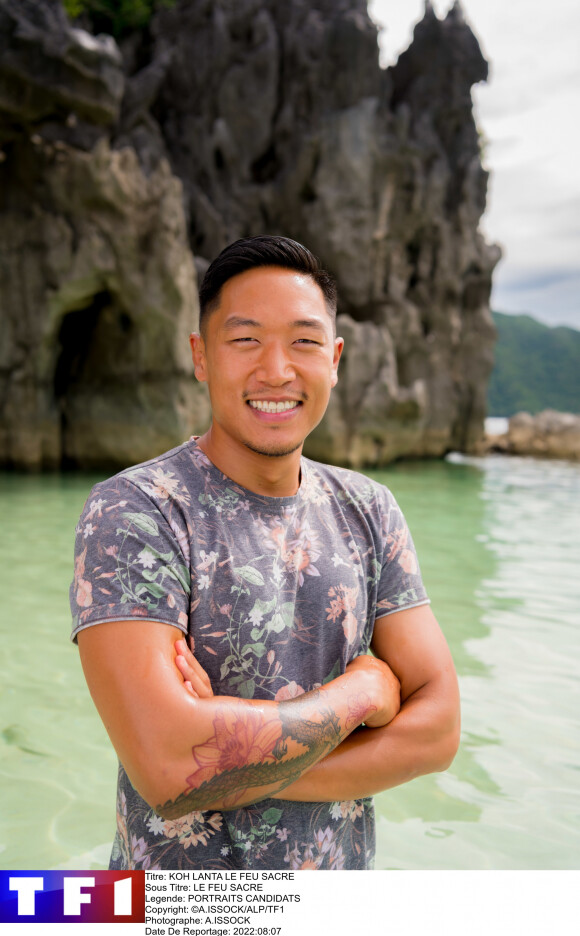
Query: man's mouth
(271, 406)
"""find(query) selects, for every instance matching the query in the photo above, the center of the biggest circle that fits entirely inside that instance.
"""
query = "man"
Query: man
(260, 743)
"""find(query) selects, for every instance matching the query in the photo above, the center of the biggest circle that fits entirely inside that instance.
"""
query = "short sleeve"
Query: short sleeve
(401, 585)
(129, 560)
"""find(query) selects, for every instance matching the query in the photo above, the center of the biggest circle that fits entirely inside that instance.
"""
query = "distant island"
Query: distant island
(536, 367)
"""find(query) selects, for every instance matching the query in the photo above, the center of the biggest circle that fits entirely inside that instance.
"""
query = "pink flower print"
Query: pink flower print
(215, 821)
(291, 691)
(176, 828)
(226, 609)
(195, 836)
(165, 484)
(84, 595)
(342, 599)
(207, 560)
(408, 561)
(351, 809)
(299, 560)
(304, 550)
(96, 508)
(282, 834)
(397, 540)
(111, 551)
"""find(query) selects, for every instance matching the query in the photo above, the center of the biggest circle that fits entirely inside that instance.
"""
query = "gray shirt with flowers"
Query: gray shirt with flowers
(277, 595)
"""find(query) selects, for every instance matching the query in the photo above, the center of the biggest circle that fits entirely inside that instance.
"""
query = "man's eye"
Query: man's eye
(307, 341)
(242, 340)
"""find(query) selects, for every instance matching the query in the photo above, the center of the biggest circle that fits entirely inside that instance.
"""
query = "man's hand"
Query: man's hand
(386, 696)
(421, 738)
(195, 678)
(383, 696)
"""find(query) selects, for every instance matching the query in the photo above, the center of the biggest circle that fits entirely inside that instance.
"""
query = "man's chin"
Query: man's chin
(273, 451)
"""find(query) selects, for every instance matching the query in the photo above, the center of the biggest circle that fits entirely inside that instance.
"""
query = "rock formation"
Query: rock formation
(97, 284)
(276, 118)
(547, 435)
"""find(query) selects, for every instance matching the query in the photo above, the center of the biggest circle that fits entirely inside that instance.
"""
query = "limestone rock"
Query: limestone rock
(97, 281)
(50, 71)
(98, 297)
(278, 119)
(228, 119)
(547, 435)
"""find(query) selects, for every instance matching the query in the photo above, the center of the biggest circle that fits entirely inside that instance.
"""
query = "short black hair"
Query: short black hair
(265, 250)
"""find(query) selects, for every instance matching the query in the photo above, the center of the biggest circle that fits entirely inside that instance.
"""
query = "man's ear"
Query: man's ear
(338, 346)
(198, 355)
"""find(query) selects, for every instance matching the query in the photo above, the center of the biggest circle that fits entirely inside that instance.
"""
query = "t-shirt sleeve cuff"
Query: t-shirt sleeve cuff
(386, 612)
(125, 617)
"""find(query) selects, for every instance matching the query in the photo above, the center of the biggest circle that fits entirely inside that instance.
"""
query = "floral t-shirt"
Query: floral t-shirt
(277, 595)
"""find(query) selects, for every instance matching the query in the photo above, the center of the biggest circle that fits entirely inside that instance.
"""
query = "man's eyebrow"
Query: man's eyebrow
(236, 321)
(308, 323)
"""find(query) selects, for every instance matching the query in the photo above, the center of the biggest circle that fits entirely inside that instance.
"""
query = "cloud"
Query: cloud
(545, 279)
(527, 112)
(553, 296)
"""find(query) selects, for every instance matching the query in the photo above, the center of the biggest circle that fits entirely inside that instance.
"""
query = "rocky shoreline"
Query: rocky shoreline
(548, 434)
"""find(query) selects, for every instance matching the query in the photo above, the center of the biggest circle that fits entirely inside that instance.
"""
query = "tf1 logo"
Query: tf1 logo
(72, 896)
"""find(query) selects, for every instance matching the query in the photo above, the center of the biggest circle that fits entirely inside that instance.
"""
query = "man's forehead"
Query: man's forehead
(264, 277)
(251, 296)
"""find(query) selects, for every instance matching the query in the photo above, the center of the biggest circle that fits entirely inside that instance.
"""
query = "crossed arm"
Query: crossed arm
(185, 749)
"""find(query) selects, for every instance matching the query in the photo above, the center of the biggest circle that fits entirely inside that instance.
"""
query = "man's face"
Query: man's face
(270, 359)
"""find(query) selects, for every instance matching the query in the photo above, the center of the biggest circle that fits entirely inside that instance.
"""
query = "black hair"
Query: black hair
(266, 250)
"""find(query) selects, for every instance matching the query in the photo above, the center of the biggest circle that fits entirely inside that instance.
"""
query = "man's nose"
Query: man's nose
(274, 365)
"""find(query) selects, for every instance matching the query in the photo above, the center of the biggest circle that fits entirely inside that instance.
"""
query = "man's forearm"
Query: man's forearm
(258, 748)
(421, 739)
(186, 749)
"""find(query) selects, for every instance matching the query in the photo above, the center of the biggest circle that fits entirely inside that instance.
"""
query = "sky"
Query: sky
(529, 113)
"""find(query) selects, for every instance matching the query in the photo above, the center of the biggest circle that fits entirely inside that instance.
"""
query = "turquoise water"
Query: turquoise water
(499, 542)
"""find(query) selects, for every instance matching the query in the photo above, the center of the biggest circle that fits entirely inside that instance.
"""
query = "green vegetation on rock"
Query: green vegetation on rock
(536, 367)
(116, 16)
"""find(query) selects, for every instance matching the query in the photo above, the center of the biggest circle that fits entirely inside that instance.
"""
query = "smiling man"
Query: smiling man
(237, 587)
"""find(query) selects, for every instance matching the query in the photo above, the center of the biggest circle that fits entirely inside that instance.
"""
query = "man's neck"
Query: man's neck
(267, 475)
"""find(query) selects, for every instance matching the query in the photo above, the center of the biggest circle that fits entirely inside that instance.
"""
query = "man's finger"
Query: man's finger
(192, 670)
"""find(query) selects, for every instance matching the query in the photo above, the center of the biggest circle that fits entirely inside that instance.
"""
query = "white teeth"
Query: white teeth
(269, 406)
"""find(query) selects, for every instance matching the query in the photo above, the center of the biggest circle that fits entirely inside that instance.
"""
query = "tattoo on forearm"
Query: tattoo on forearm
(250, 750)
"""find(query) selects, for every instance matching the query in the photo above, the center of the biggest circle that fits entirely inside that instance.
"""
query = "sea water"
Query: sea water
(499, 544)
